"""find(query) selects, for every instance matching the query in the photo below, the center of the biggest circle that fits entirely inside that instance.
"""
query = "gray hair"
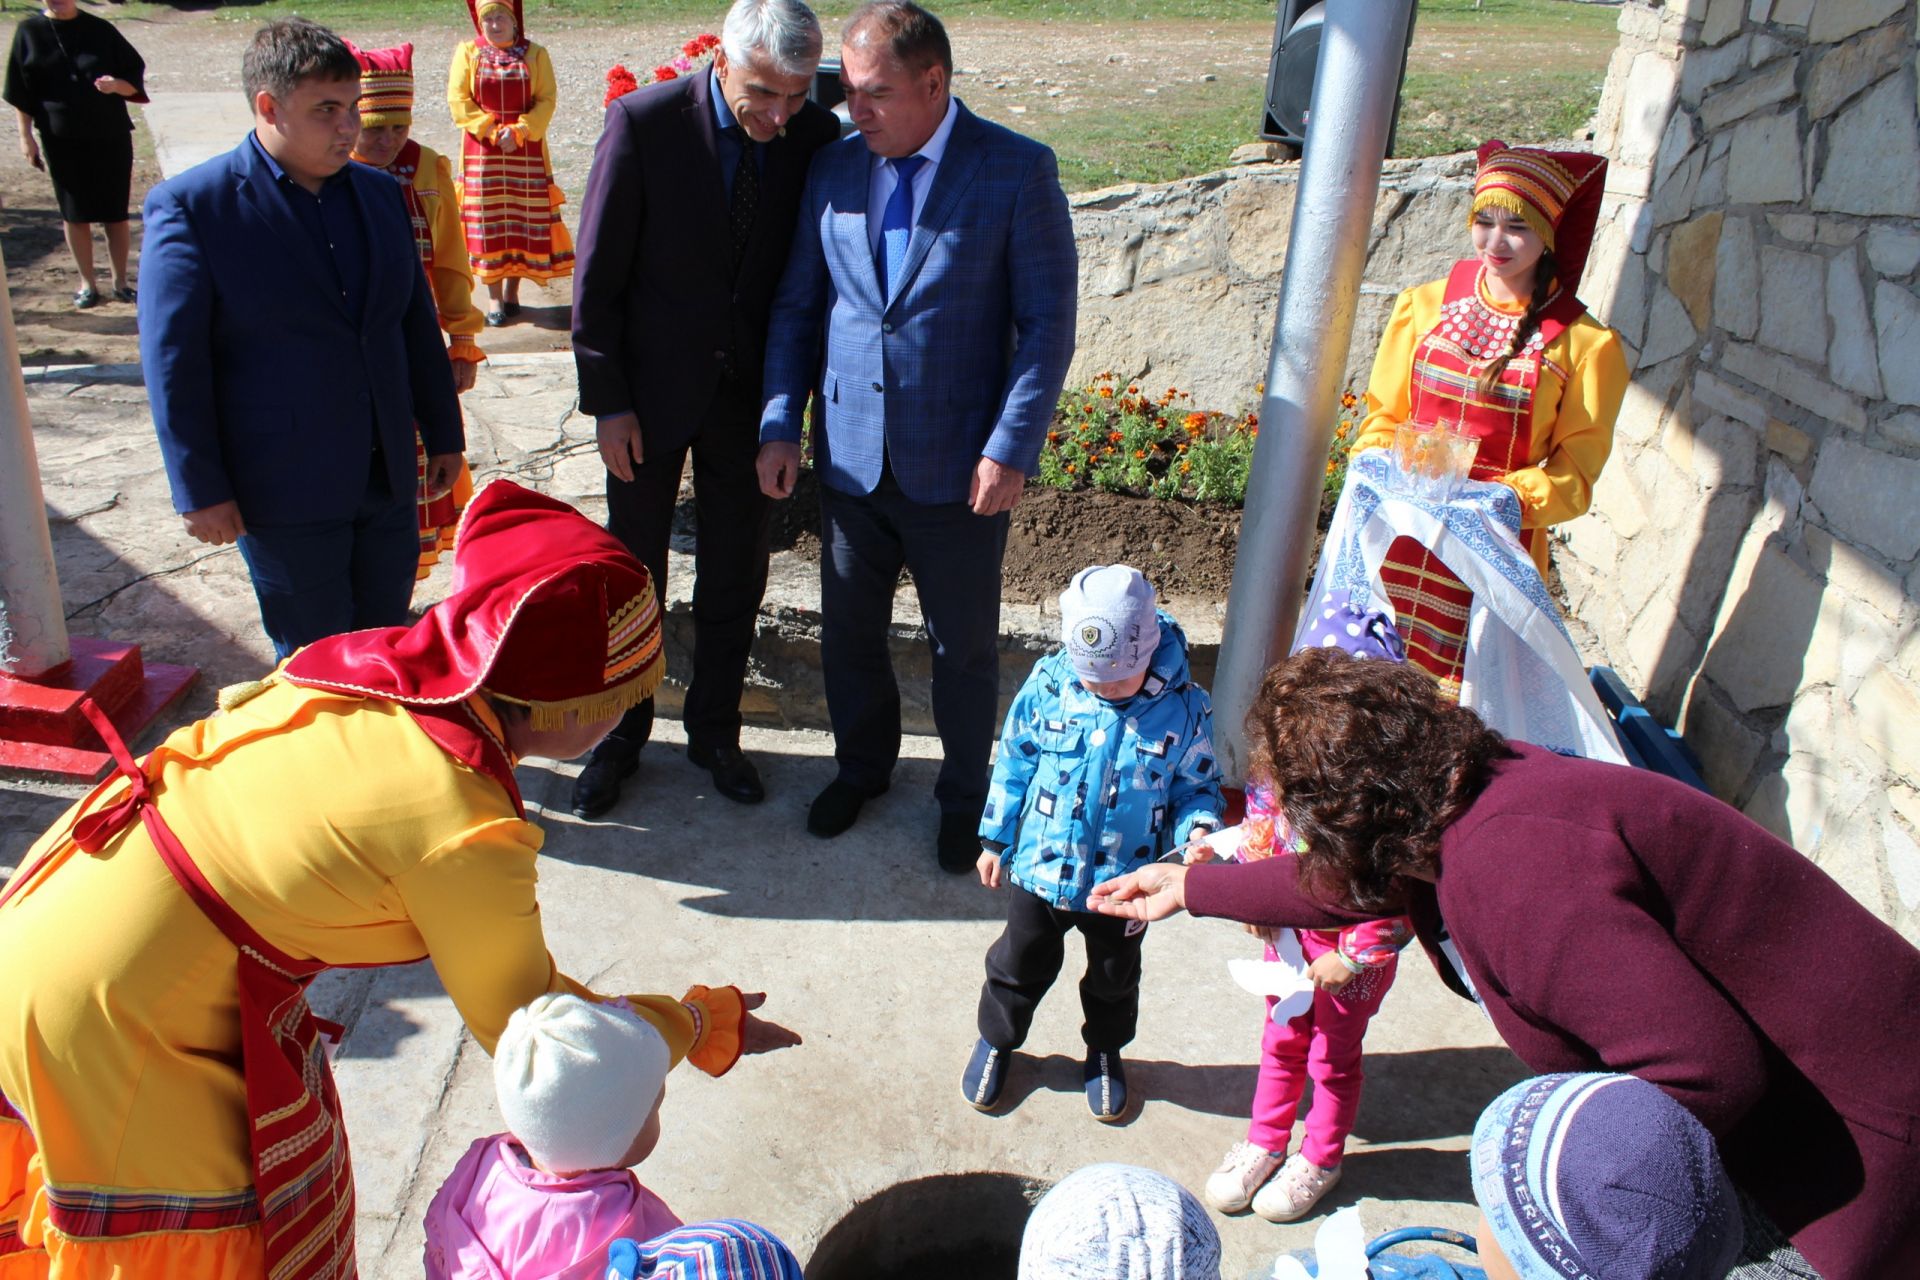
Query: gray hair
(785, 32)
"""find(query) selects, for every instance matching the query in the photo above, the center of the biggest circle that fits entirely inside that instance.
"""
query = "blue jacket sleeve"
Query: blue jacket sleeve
(176, 353)
(798, 324)
(1012, 773)
(1043, 267)
(1195, 791)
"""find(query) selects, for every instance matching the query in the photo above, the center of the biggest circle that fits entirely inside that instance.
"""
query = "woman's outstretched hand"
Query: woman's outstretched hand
(1151, 893)
(757, 1035)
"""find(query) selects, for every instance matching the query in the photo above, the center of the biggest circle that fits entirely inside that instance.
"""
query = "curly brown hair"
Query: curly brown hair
(1370, 764)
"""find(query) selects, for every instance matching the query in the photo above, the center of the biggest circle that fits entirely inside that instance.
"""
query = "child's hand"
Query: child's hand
(1330, 972)
(1199, 850)
(758, 1035)
(988, 866)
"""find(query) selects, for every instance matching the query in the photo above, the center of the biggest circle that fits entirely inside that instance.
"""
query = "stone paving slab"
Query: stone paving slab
(189, 128)
(863, 946)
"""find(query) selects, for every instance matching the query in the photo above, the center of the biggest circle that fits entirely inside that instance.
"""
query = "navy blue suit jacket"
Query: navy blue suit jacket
(265, 390)
(967, 355)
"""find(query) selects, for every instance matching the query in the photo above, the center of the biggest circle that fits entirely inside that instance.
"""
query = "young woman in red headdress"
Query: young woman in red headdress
(433, 205)
(166, 1107)
(501, 90)
(1503, 349)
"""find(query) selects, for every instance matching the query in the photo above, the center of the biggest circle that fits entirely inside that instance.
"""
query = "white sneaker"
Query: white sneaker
(1294, 1190)
(1246, 1168)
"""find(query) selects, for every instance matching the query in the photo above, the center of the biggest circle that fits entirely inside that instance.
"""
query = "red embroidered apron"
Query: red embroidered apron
(303, 1178)
(506, 199)
(1430, 602)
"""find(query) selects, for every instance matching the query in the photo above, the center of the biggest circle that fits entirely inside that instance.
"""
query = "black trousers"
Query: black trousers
(1027, 958)
(729, 561)
(954, 557)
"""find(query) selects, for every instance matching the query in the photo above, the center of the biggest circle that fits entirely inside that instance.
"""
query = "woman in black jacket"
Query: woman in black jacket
(70, 75)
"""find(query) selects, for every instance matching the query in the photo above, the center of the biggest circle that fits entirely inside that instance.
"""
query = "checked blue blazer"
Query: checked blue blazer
(968, 354)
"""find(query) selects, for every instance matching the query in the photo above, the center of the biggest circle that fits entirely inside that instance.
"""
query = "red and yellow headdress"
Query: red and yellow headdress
(548, 610)
(1557, 193)
(477, 7)
(386, 85)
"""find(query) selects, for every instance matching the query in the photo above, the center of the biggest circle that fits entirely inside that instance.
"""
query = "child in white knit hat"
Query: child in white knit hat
(580, 1086)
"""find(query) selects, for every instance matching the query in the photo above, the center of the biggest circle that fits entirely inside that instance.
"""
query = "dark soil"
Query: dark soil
(1185, 549)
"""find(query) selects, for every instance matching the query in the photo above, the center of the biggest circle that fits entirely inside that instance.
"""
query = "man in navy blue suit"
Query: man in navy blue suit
(290, 344)
(929, 301)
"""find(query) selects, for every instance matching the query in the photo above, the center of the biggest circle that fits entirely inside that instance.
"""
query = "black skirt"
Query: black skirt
(92, 177)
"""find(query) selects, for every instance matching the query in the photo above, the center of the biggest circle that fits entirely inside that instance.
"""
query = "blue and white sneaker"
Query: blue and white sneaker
(986, 1073)
(1106, 1079)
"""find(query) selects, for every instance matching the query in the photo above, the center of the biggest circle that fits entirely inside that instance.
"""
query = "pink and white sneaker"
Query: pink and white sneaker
(1244, 1171)
(1294, 1190)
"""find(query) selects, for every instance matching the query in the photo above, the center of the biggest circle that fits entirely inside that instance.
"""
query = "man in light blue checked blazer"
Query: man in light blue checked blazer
(929, 302)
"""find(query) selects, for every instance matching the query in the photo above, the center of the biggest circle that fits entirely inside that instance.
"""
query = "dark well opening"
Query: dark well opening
(955, 1226)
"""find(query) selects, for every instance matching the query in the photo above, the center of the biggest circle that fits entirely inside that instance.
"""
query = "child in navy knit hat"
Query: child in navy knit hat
(1600, 1177)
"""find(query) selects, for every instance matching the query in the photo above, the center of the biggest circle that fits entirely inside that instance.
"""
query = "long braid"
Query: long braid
(1543, 273)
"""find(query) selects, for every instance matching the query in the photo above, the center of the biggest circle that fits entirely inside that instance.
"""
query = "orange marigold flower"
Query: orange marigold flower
(1068, 468)
(1348, 400)
(1115, 436)
(1139, 453)
(1182, 446)
(1195, 421)
(1186, 467)
(1107, 392)
(1053, 437)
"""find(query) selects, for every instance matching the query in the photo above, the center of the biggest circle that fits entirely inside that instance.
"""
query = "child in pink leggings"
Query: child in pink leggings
(1351, 968)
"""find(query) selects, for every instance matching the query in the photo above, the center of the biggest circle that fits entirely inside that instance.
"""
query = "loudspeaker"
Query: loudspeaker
(1297, 28)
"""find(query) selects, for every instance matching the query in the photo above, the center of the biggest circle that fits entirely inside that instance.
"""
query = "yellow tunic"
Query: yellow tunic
(472, 118)
(1583, 378)
(451, 277)
(337, 829)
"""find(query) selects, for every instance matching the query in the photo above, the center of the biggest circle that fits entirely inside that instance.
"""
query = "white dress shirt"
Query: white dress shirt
(882, 177)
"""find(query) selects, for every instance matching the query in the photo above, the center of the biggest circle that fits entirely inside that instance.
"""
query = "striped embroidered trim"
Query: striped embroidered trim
(110, 1213)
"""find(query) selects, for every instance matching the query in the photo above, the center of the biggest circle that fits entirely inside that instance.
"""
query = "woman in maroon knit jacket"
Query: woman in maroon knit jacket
(1607, 919)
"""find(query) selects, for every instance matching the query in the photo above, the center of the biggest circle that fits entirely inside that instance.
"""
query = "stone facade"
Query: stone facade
(1178, 283)
(1750, 561)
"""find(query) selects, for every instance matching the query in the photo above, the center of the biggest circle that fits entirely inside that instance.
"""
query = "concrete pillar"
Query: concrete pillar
(33, 624)
(1354, 89)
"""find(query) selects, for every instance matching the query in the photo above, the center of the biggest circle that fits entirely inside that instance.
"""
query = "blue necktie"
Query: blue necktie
(896, 227)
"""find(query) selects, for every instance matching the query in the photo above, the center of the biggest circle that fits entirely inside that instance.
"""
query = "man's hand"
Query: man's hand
(464, 372)
(779, 467)
(757, 1035)
(1151, 893)
(619, 439)
(219, 524)
(442, 469)
(995, 487)
(1329, 972)
(988, 866)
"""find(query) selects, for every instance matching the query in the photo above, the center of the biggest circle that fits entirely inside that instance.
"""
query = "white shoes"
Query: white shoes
(1293, 1191)
(1245, 1169)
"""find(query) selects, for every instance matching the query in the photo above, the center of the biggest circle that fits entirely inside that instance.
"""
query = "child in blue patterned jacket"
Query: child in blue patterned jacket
(1105, 764)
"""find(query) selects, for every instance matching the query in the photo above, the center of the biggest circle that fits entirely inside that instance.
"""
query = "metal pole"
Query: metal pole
(1354, 88)
(33, 623)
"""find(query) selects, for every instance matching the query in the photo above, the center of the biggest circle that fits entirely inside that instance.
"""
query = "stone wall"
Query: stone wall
(1750, 562)
(1178, 283)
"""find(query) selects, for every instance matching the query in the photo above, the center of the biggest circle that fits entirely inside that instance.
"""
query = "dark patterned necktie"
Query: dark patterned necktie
(746, 196)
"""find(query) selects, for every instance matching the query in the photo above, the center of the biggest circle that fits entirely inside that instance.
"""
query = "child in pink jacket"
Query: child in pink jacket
(1351, 968)
(580, 1086)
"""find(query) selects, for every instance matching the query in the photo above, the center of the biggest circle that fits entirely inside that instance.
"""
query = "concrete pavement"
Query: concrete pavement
(861, 943)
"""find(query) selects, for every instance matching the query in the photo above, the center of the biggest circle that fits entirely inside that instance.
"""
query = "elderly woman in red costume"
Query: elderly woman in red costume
(166, 1108)
(501, 90)
(433, 205)
(1503, 350)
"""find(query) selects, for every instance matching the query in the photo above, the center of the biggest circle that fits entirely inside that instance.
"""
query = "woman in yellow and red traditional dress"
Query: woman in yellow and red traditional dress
(501, 90)
(433, 204)
(1503, 350)
(166, 1108)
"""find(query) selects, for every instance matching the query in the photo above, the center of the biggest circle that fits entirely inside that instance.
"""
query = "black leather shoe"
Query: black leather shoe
(836, 807)
(733, 774)
(959, 843)
(597, 789)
